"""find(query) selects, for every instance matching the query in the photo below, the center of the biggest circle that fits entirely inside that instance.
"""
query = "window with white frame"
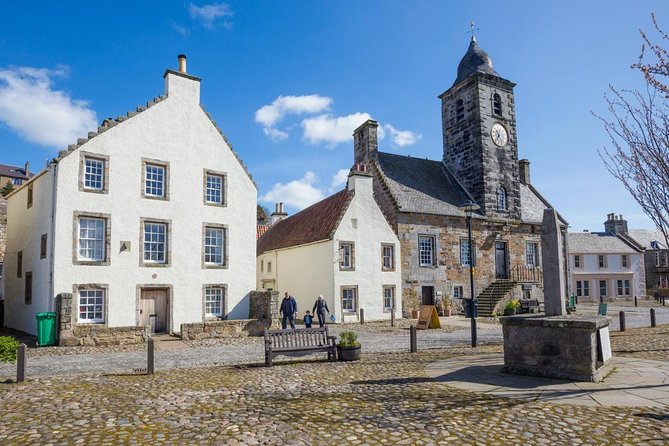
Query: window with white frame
(214, 193)
(91, 306)
(388, 297)
(532, 254)
(155, 242)
(348, 300)
(154, 180)
(388, 255)
(464, 251)
(457, 292)
(601, 261)
(346, 255)
(92, 239)
(426, 250)
(582, 288)
(577, 261)
(94, 174)
(624, 261)
(602, 288)
(501, 198)
(623, 287)
(214, 246)
(214, 298)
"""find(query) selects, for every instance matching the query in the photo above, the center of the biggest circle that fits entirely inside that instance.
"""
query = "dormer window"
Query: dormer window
(501, 198)
(497, 104)
(459, 110)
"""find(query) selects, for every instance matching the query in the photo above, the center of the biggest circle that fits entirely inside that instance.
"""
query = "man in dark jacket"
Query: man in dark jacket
(320, 307)
(288, 310)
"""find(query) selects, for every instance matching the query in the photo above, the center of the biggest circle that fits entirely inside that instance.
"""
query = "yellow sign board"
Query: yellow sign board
(428, 318)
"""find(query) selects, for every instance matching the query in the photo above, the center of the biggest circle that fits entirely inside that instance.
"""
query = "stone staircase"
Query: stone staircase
(490, 296)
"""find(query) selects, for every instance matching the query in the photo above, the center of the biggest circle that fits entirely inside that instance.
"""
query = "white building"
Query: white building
(341, 247)
(148, 221)
(606, 266)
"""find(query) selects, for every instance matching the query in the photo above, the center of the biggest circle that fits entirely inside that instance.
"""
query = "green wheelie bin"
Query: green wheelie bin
(46, 328)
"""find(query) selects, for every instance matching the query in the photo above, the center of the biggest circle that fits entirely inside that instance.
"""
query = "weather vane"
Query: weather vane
(472, 30)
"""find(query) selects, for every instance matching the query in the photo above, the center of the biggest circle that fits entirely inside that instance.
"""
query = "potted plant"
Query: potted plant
(446, 306)
(511, 307)
(348, 347)
(411, 302)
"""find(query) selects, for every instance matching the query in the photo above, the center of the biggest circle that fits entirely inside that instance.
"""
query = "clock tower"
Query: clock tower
(479, 131)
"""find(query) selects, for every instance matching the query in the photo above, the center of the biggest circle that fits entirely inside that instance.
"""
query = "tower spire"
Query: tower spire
(472, 30)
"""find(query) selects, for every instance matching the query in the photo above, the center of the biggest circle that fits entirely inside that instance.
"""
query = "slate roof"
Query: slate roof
(13, 172)
(645, 237)
(475, 60)
(316, 223)
(598, 243)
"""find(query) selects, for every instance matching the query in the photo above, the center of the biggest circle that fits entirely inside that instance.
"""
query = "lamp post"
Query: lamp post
(468, 208)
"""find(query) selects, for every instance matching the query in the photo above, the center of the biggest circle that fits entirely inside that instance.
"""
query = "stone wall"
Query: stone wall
(70, 334)
(225, 329)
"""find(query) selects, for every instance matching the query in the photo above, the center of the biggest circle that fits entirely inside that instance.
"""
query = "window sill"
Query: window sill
(346, 269)
(94, 191)
(153, 197)
(213, 266)
(154, 265)
(101, 323)
(388, 270)
(91, 262)
(216, 205)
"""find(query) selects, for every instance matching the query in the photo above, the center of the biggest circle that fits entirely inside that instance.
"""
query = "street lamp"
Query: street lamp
(468, 208)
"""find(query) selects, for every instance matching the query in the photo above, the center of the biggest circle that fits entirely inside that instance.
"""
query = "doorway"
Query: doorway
(428, 295)
(153, 309)
(501, 270)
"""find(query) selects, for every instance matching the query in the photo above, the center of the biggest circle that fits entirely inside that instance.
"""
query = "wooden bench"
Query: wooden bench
(530, 306)
(300, 340)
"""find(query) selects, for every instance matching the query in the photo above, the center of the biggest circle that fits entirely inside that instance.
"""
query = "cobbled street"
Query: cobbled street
(385, 398)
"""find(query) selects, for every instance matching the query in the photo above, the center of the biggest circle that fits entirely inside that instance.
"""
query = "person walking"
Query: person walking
(288, 310)
(320, 307)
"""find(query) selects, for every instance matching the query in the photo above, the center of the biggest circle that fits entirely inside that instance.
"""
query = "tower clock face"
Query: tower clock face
(499, 135)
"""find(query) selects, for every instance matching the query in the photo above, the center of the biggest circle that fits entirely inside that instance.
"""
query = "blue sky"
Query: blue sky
(287, 81)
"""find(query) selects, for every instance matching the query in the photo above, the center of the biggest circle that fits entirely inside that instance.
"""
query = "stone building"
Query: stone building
(14, 175)
(421, 197)
(148, 222)
(341, 247)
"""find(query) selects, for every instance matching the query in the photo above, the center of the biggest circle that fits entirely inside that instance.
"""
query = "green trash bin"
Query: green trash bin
(46, 328)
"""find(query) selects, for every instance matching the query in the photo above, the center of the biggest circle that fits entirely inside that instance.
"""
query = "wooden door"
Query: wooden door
(153, 310)
(500, 261)
(428, 295)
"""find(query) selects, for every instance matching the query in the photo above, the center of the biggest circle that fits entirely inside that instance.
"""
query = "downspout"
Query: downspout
(53, 237)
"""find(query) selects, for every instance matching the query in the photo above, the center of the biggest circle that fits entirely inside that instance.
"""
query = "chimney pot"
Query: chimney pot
(365, 141)
(27, 168)
(182, 63)
(524, 171)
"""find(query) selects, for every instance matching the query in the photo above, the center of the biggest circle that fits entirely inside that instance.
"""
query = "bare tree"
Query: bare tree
(639, 132)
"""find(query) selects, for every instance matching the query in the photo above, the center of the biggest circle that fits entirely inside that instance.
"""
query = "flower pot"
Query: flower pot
(348, 353)
(509, 311)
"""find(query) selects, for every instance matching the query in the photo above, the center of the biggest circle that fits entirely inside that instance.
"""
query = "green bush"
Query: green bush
(8, 349)
(348, 339)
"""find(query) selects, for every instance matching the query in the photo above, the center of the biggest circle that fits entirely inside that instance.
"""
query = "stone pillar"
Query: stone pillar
(65, 325)
(552, 256)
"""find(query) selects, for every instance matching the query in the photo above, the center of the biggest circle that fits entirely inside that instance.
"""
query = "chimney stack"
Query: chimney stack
(524, 170)
(278, 214)
(359, 179)
(615, 224)
(27, 168)
(182, 63)
(365, 141)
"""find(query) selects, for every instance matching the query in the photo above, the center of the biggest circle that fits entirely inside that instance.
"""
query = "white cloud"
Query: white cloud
(297, 193)
(179, 29)
(32, 108)
(270, 115)
(401, 138)
(208, 14)
(340, 178)
(332, 130)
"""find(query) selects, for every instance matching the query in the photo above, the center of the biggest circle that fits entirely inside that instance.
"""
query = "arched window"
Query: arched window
(501, 198)
(497, 104)
(459, 110)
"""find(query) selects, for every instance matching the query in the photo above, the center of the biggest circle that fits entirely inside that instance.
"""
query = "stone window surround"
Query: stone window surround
(537, 253)
(434, 237)
(75, 238)
(224, 309)
(226, 235)
(82, 172)
(43, 246)
(168, 243)
(224, 192)
(460, 290)
(29, 196)
(355, 298)
(394, 301)
(496, 98)
(105, 304)
(342, 243)
(170, 301)
(465, 240)
(28, 288)
(392, 258)
(166, 179)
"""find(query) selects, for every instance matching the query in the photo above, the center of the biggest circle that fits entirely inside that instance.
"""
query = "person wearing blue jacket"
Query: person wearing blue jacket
(320, 307)
(288, 310)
